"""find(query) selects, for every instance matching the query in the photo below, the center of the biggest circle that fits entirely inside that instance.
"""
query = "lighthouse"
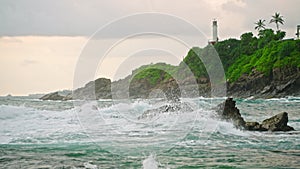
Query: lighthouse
(214, 32)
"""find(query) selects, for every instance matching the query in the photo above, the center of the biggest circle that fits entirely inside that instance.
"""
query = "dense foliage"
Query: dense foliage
(263, 53)
(192, 64)
(154, 73)
(267, 52)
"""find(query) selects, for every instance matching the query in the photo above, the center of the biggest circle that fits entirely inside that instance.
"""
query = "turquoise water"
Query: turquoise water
(108, 134)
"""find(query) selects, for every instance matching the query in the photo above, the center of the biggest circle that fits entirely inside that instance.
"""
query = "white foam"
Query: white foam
(150, 162)
(228, 128)
(88, 165)
(20, 124)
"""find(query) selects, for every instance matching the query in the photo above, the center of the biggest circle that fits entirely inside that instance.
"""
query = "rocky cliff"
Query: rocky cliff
(262, 66)
(98, 89)
(279, 82)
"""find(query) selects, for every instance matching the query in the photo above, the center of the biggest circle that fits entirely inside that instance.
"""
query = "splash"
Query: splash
(150, 162)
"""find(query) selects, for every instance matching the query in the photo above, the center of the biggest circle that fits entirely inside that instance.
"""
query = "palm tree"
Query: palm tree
(277, 19)
(260, 25)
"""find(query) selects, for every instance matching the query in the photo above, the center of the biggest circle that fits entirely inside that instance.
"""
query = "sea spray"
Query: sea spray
(89, 165)
(150, 162)
(47, 133)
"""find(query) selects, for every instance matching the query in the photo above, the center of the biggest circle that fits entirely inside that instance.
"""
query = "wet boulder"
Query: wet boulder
(229, 112)
(168, 108)
(277, 123)
(52, 96)
(254, 126)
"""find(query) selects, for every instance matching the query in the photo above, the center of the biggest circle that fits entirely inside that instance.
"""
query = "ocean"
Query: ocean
(110, 134)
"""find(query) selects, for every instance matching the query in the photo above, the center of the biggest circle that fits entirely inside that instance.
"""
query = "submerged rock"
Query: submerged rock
(229, 112)
(172, 107)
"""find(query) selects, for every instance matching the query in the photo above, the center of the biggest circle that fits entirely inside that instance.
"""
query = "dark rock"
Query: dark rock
(254, 126)
(251, 125)
(52, 96)
(277, 123)
(283, 87)
(249, 84)
(120, 88)
(229, 112)
(173, 107)
(259, 128)
(98, 89)
(142, 88)
(68, 97)
(266, 89)
(279, 82)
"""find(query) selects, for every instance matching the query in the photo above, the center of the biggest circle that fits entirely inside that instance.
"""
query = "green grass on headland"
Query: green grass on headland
(263, 53)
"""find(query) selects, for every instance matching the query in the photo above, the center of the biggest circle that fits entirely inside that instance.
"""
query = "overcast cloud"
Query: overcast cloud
(42, 41)
(82, 18)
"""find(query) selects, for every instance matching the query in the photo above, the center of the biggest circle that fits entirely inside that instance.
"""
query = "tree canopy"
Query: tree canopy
(277, 19)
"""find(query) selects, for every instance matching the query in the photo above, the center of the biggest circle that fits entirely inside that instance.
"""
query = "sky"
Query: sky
(48, 45)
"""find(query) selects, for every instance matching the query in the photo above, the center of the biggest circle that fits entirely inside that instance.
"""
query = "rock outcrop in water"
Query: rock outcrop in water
(229, 112)
(56, 96)
(172, 107)
(175, 104)
(277, 123)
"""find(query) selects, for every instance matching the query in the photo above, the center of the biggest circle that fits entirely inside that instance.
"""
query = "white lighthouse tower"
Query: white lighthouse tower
(215, 38)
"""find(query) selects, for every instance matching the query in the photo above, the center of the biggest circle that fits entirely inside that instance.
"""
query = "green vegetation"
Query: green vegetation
(277, 19)
(161, 72)
(154, 73)
(262, 53)
(192, 63)
(238, 57)
(271, 52)
(260, 24)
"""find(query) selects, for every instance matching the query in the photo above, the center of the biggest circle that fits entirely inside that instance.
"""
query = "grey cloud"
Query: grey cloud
(47, 17)
(83, 18)
(257, 9)
(232, 7)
